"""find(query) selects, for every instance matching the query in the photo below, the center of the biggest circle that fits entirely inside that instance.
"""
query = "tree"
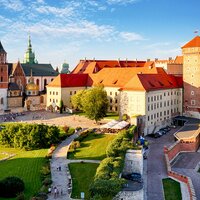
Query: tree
(94, 103)
(76, 99)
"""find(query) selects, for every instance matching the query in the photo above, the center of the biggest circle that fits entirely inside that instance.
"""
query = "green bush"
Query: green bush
(107, 182)
(11, 186)
(29, 136)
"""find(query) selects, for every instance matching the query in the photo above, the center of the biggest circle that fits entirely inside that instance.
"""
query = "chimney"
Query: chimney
(170, 58)
(148, 59)
(156, 59)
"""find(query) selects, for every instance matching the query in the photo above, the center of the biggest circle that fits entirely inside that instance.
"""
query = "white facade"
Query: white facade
(157, 107)
(41, 81)
(3, 99)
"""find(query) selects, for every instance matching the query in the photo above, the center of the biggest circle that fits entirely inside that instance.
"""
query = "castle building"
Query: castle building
(3, 78)
(15, 80)
(135, 88)
(43, 73)
(191, 77)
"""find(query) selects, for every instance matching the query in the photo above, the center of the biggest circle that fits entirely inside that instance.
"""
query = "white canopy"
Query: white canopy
(115, 124)
(110, 124)
(120, 125)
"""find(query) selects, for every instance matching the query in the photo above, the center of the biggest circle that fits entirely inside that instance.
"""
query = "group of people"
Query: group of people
(10, 116)
(55, 191)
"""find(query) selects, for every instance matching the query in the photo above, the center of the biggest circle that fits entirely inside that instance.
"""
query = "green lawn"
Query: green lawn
(92, 147)
(26, 165)
(82, 176)
(172, 189)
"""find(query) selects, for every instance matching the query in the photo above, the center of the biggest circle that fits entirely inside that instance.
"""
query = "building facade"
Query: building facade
(191, 77)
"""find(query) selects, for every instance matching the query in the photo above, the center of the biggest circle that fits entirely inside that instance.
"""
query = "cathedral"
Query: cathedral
(23, 82)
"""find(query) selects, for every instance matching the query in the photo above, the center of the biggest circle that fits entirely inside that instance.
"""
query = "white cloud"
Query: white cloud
(157, 45)
(55, 11)
(15, 5)
(123, 2)
(130, 36)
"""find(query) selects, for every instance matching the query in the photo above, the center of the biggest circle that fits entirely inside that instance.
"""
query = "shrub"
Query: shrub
(11, 186)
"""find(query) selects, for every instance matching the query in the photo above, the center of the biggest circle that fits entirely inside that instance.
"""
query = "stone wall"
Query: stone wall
(170, 154)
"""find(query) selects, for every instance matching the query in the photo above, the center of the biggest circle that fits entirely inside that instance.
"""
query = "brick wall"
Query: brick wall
(170, 153)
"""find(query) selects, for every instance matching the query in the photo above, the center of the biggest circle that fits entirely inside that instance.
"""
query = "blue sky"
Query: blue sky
(102, 29)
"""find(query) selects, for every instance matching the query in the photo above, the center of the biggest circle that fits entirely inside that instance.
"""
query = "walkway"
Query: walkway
(59, 159)
(60, 177)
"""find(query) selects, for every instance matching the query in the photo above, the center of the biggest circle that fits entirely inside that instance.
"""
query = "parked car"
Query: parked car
(133, 177)
(162, 131)
(158, 134)
(166, 129)
(172, 126)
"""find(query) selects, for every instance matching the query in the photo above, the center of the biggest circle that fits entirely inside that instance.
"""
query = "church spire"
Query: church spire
(3, 54)
(29, 56)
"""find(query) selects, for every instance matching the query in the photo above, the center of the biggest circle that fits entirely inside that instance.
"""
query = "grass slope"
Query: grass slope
(26, 165)
(93, 147)
(82, 176)
(172, 189)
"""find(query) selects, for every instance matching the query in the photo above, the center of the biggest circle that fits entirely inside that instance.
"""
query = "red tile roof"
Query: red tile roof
(94, 66)
(195, 42)
(69, 80)
(178, 60)
(127, 78)
(149, 82)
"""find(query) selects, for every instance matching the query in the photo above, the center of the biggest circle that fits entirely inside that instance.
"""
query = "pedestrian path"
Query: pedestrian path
(58, 166)
(59, 176)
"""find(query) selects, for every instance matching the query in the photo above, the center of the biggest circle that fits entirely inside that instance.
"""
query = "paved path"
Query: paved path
(60, 177)
(156, 167)
(59, 159)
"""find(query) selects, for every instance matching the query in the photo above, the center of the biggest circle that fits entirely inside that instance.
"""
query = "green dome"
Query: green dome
(65, 68)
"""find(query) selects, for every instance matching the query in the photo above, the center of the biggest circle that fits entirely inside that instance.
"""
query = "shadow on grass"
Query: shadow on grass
(28, 169)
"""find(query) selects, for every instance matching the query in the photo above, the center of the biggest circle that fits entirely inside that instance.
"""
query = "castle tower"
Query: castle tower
(3, 78)
(3, 54)
(191, 77)
(29, 56)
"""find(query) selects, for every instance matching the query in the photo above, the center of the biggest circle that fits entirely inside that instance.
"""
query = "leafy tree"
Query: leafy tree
(76, 99)
(95, 103)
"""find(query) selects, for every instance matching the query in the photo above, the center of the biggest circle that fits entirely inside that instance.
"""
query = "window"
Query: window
(160, 104)
(193, 102)
(70, 92)
(164, 103)
(151, 106)
(151, 98)
(1, 100)
(151, 117)
(164, 94)
(161, 97)
(164, 112)
(115, 108)
(110, 93)
(157, 114)
(115, 93)
(157, 105)
(110, 100)
(148, 107)
(168, 112)
(148, 99)
(161, 114)
(192, 92)
(148, 118)
(53, 93)
(158, 97)
(50, 92)
(1, 79)
(37, 82)
(74, 92)
(168, 103)
(50, 100)
(115, 100)
(154, 98)
(154, 105)
(110, 107)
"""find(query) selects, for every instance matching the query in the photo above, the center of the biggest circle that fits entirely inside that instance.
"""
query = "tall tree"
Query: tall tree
(76, 99)
(94, 103)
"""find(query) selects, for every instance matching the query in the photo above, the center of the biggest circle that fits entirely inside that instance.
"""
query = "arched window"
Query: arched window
(37, 82)
(45, 83)
(2, 101)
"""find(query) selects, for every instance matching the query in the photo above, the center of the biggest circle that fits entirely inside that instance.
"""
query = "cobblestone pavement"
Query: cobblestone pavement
(156, 168)
(50, 118)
